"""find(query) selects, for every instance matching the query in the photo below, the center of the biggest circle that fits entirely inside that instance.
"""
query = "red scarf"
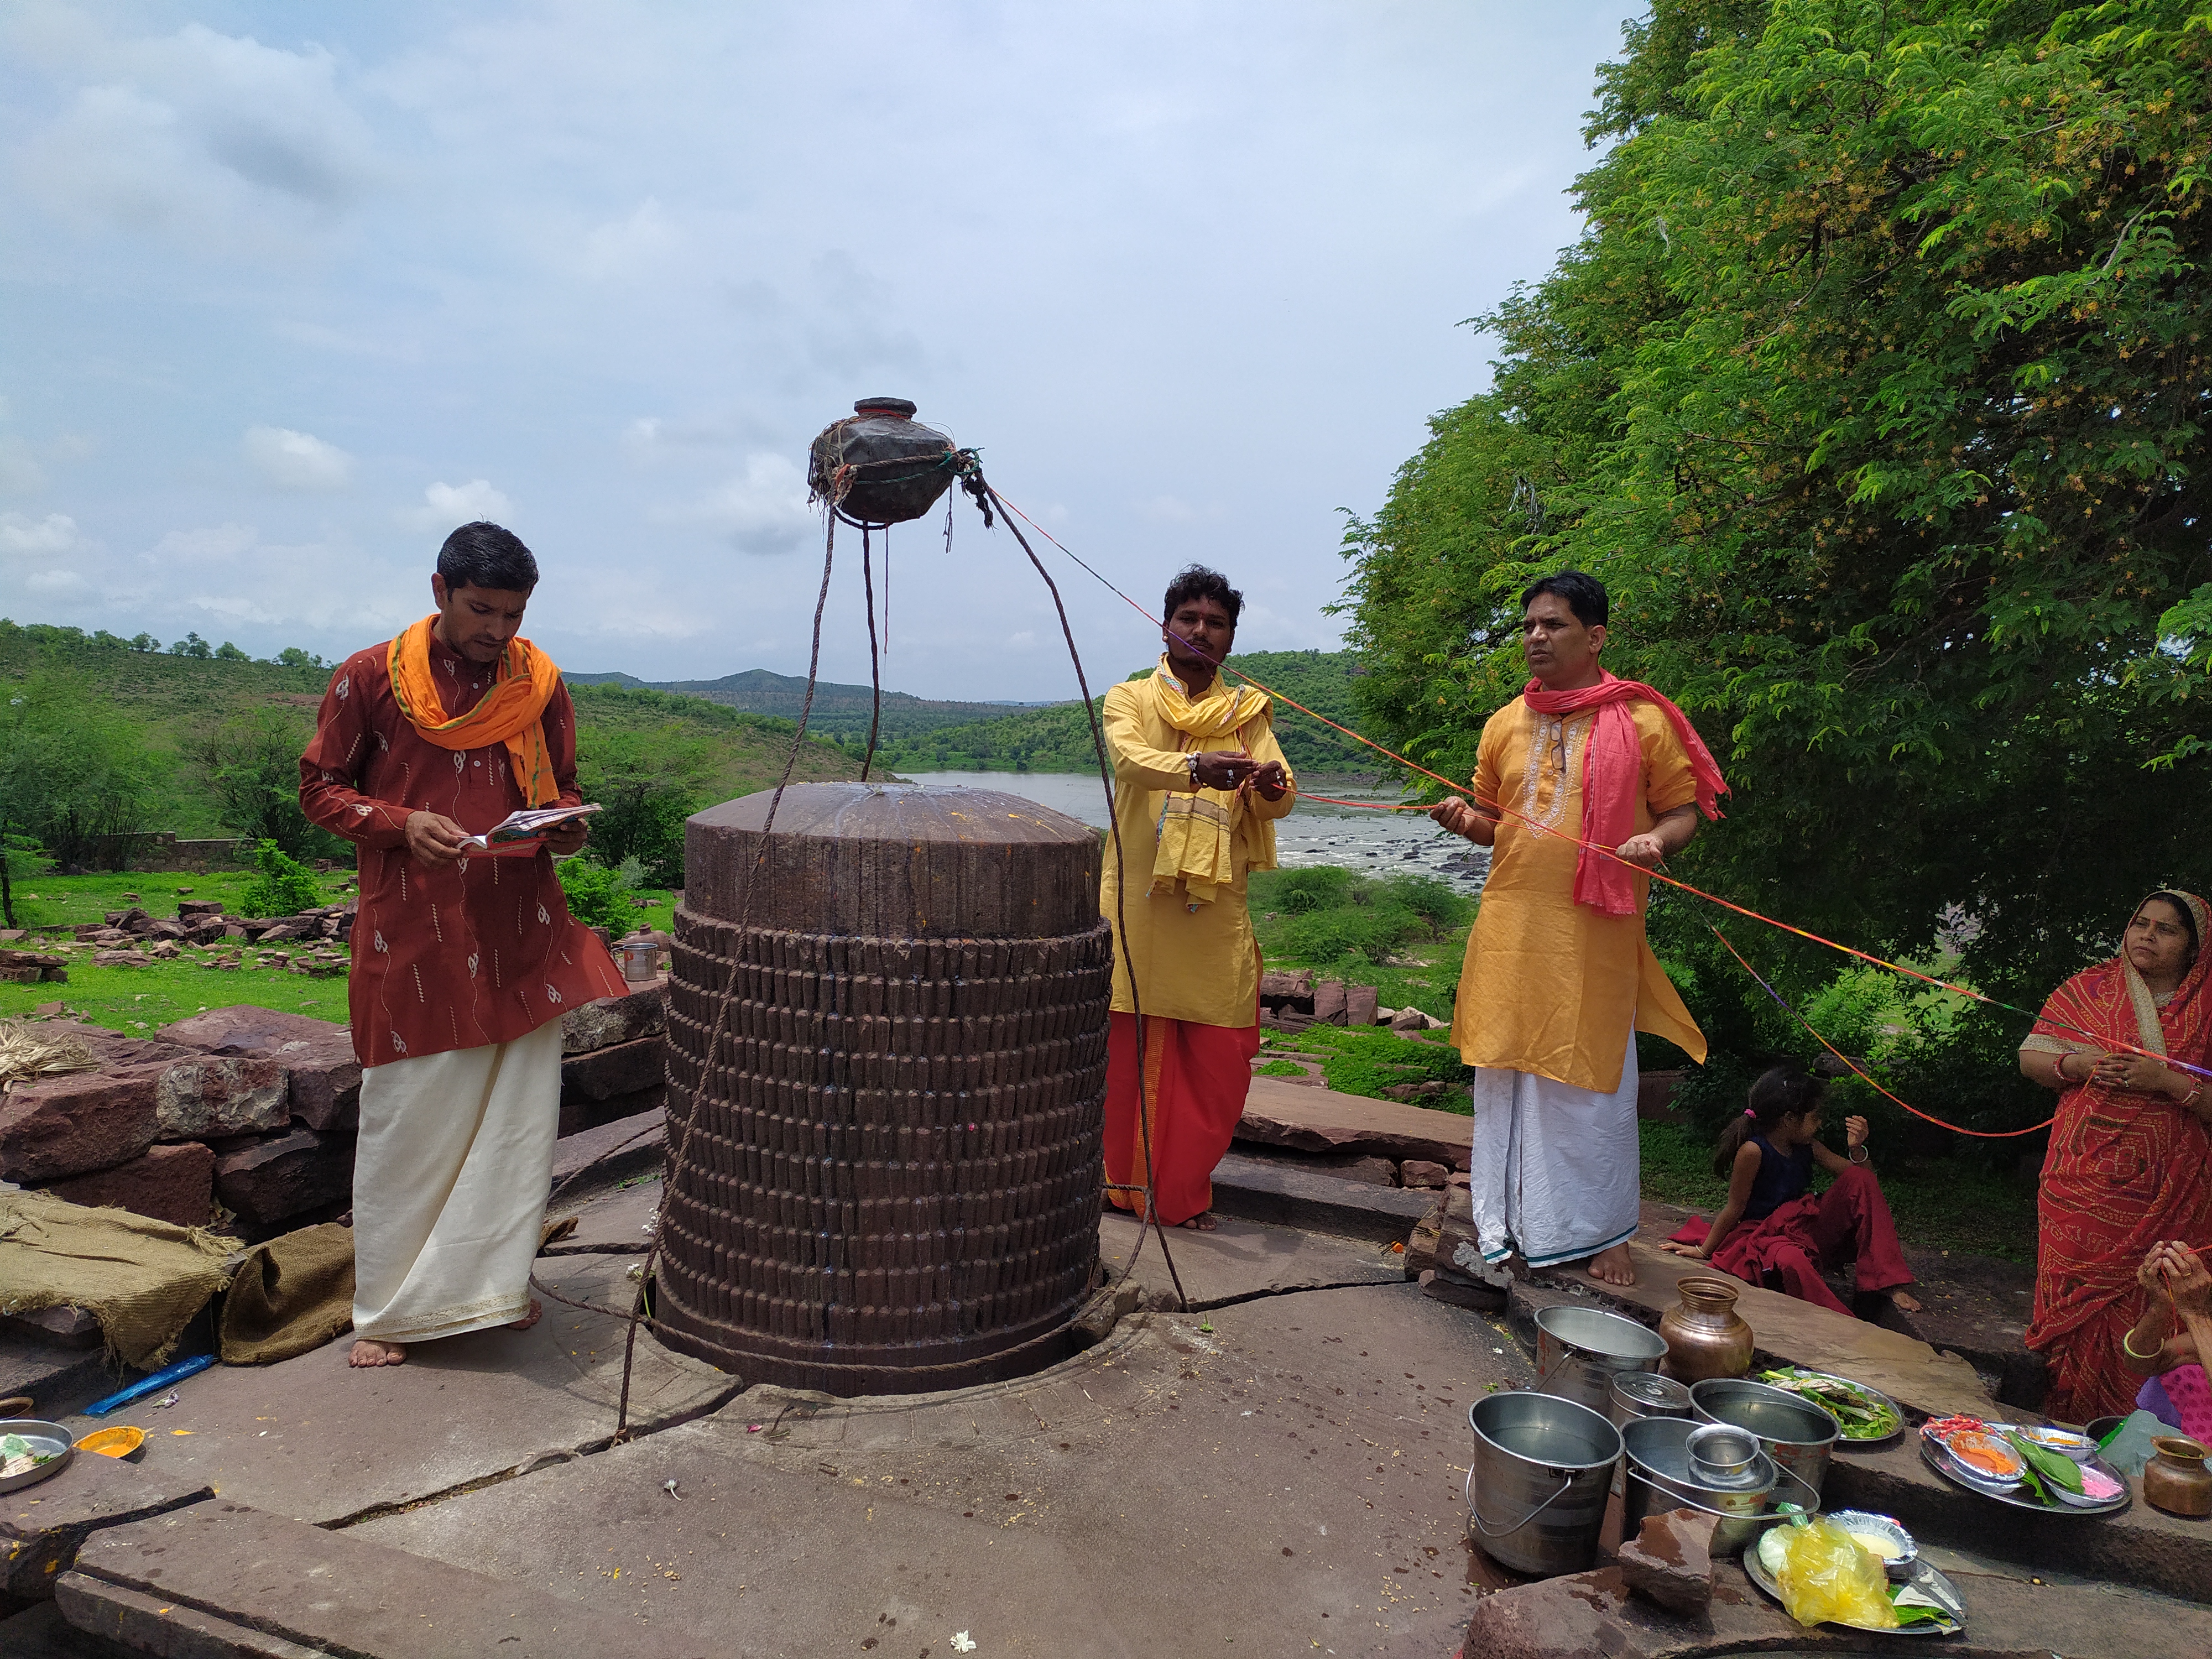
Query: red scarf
(1613, 769)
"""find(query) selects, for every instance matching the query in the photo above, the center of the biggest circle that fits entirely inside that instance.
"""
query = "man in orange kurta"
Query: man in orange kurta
(1559, 976)
(1198, 783)
(463, 964)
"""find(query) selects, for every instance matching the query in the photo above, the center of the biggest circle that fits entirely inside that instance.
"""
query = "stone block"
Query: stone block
(1293, 991)
(1419, 1172)
(212, 1095)
(1409, 1019)
(1670, 1561)
(119, 959)
(1329, 1002)
(169, 1183)
(1359, 1005)
(197, 909)
(67, 1125)
(621, 1069)
(285, 1175)
(40, 1541)
(325, 1088)
(610, 1020)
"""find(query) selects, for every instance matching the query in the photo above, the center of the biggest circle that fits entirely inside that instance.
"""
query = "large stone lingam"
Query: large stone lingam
(894, 1173)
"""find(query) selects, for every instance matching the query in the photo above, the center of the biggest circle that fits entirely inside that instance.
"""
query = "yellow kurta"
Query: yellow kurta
(1199, 965)
(1549, 986)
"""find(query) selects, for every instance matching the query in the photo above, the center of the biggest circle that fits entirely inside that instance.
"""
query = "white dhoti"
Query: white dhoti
(449, 1183)
(1555, 1168)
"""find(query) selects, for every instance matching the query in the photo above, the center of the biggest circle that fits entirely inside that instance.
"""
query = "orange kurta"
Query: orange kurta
(1550, 987)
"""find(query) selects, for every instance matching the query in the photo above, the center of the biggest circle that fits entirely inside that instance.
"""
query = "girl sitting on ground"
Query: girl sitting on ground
(1774, 1230)
(2168, 1345)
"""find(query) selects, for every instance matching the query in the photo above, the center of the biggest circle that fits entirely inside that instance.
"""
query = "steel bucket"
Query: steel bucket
(1538, 1483)
(1659, 1478)
(1579, 1351)
(1793, 1431)
(1638, 1394)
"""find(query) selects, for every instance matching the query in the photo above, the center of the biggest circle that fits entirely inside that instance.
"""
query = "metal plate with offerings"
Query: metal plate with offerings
(1866, 1420)
(2001, 1461)
(1927, 1587)
(32, 1451)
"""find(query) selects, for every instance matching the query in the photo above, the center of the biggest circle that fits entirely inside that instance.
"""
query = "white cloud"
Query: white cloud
(445, 506)
(55, 533)
(631, 247)
(297, 460)
(222, 541)
(20, 472)
(202, 136)
(54, 581)
(765, 511)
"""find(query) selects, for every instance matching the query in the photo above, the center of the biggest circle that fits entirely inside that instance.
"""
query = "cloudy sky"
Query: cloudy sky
(287, 292)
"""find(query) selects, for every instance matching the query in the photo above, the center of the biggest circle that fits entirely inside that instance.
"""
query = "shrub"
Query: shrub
(598, 897)
(1320, 887)
(285, 886)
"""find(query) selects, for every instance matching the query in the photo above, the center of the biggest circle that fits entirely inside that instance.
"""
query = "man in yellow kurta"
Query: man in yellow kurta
(1558, 975)
(1198, 783)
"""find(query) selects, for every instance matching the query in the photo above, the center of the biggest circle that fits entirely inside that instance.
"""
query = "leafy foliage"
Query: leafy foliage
(598, 896)
(252, 762)
(1875, 391)
(284, 886)
(71, 774)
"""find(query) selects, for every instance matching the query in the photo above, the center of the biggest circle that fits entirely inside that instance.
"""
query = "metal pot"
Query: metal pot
(1705, 1336)
(1660, 1477)
(1579, 1351)
(1638, 1394)
(1538, 1482)
(1792, 1430)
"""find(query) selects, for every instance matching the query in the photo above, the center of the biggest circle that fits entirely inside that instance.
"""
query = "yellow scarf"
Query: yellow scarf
(1199, 830)
(511, 713)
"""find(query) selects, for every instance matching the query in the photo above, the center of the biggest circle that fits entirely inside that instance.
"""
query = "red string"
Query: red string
(2111, 1044)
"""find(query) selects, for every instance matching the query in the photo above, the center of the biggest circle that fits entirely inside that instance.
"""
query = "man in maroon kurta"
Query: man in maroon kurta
(462, 966)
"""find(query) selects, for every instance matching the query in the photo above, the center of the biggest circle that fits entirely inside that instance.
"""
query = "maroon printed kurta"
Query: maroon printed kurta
(462, 955)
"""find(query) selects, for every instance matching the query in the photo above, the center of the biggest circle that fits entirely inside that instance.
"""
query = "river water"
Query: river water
(1359, 838)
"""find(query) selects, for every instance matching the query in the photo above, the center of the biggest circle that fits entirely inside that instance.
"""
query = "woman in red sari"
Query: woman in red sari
(2130, 1151)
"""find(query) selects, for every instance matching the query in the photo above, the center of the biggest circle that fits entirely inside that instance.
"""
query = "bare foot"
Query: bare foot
(1906, 1303)
(368, 1352)
(1612, 1266)
(537, 1312)
(1203, 1222)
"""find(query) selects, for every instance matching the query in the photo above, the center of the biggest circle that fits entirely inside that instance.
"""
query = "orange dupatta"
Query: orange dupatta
(511, 713)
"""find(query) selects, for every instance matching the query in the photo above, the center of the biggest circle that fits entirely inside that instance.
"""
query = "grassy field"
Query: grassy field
(139, 1000)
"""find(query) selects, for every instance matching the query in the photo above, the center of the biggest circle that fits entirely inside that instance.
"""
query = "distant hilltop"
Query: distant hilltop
(839, 711)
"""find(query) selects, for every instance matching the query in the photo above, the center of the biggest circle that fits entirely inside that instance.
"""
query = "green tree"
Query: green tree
(1875, 391)
(292, 657)
(144, 642)
(598, 896)
(251, 765)
(229, 652)
(191, 645)
(72, 772)
(283, 887)
(648, 782)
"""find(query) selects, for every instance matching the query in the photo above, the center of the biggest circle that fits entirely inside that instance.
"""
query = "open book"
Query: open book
(518, 834)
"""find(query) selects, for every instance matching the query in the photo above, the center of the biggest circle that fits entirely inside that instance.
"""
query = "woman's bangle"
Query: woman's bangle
(2127, 1347)
(2188, 1101)
(2058, 1066)
(1859, 1155)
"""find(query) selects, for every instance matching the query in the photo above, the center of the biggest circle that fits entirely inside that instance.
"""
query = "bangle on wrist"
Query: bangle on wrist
(2059, 1065)
(1191, 762)
(1859, 1155)
(2127, 1347)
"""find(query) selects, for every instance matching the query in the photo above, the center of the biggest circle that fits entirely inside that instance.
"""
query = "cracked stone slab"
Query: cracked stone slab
(42, 1527)
(1286, 1481)
(1241, 1259)
(313, 1440)
(613, 1216)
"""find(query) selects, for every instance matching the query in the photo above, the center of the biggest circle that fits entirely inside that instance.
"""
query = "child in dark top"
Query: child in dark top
(1773, 1230)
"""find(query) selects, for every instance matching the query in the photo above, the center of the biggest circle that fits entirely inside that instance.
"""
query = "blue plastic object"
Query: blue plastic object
(154, 1384)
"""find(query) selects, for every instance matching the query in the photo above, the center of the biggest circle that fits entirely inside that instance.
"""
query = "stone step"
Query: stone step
(221, 1578)
(43, 1526)
(1262, 1189)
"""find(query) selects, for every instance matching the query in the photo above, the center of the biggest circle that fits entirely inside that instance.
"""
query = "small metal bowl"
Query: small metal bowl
(2065, 1442)
(1864, 1524)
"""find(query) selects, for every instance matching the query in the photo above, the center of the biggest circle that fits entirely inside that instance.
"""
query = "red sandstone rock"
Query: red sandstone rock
(1329, 1002)
(269, 1181)
(1359, 1005)
(611, 1020)
(325, 1090)
(169, 1183)
(83, 1121)
(1670, 1561)
(1419, 1172)
(211, 1095)
(623, 1069)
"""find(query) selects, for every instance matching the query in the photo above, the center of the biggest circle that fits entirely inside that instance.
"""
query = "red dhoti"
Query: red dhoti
(1195, 1080)
(1810, 1236)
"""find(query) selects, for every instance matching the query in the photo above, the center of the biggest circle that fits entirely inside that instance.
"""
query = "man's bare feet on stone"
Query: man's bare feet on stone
(1612, 1266)
(368, 1352)
(537, 1312)
(1203, 1222)
(1906, 1302)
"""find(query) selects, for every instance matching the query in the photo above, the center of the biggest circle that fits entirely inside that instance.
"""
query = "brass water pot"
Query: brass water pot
(1705, 1336)
(2176, 1480)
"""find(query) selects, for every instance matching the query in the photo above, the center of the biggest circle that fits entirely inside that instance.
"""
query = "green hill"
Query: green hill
(1057, 737)
(143, 739)
(839, 711)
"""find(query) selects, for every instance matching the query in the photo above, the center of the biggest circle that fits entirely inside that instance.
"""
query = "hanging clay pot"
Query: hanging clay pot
(1705, 1336)
(879, 465)
(2176, 1480)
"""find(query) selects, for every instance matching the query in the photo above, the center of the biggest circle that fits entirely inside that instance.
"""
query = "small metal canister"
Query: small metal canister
(1637, 1395)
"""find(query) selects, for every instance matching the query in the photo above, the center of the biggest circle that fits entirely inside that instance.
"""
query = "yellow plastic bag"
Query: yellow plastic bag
(1826, 1574)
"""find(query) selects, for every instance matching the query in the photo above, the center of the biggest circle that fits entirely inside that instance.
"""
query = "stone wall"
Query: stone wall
(164, 851)
(256, 1111)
